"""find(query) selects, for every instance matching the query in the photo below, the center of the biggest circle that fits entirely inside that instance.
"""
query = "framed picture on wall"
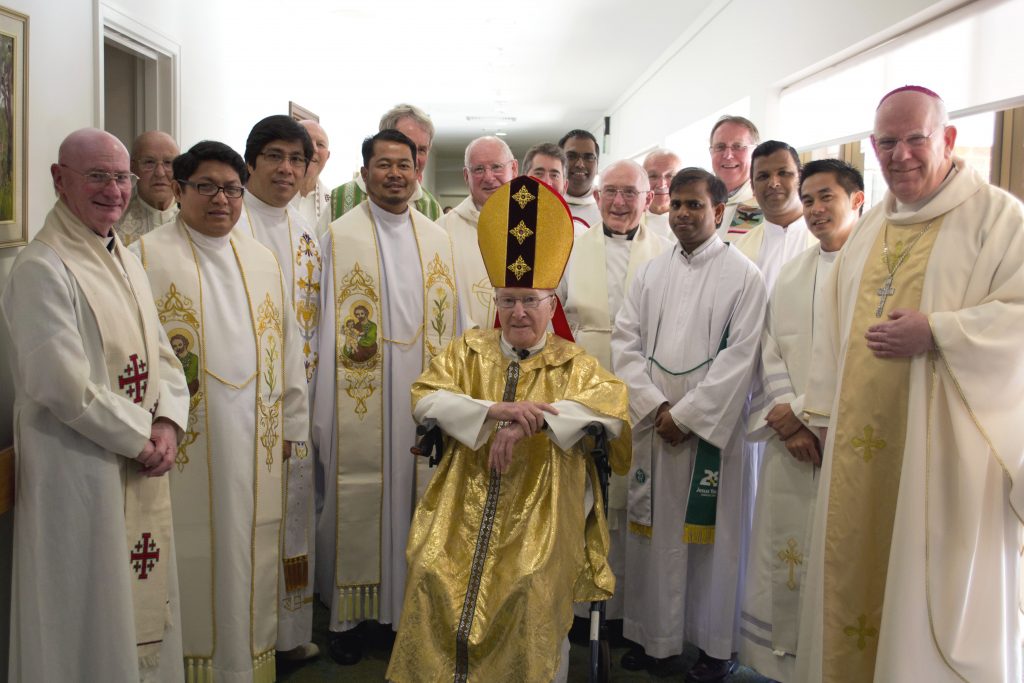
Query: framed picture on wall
(300, 113)
(13, 127)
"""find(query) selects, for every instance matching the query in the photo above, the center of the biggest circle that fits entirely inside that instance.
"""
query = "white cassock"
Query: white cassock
(401, 320)
(285, 232)
(742, 194)
(584, 210)
(950, 610)
(677, 312)
(315, 208)
(476, 295)
(658, 223)
(600, 269)
(140, 218)
(771, 246)
(71, 604)
(786, 487)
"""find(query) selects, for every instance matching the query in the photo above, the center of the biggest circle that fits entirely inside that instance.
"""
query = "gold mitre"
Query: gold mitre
(525, 235)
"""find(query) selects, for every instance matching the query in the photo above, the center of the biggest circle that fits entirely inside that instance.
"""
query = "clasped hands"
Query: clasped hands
(906, 333)
(667, 428)
(157, 456)
(524, 418)
(800, 441)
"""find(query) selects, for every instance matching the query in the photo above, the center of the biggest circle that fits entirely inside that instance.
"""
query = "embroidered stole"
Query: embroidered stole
(172, 264)
(867, 459)
(132, 352)
(360, 355)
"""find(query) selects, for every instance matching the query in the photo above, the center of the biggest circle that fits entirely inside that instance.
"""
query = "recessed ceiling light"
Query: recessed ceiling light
(501, 133)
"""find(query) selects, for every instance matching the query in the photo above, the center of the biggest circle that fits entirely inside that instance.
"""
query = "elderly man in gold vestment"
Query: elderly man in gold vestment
(504, 539)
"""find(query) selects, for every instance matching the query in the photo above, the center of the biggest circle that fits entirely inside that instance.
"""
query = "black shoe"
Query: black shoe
(710, 670)
(636, 659)
(345, 648)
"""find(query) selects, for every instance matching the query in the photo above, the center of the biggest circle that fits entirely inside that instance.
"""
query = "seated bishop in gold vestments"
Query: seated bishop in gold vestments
(507, 535)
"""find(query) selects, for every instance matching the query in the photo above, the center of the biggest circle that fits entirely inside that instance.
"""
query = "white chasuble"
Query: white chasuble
(665, 347)
(92, 370)
(476, 294)
(391, 305)
(222, 302)
(286, 233)
(786, 487)
(950, 610)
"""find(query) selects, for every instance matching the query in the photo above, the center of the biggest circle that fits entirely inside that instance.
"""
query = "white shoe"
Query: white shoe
(302, 653)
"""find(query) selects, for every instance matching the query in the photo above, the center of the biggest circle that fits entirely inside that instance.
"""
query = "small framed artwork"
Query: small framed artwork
(300, 113)
(13, 127)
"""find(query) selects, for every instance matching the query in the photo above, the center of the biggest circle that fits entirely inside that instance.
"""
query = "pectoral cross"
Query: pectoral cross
(884, 292)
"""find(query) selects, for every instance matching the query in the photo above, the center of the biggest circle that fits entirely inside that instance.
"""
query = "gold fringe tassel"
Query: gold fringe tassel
(358, 603)
(265, 667)
(698, 534)
(198, 670)
(640, 529)
(296, 573)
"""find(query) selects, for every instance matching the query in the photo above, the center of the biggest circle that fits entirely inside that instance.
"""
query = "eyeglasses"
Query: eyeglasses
(480, 169)
(101, 178)
(576, 156)
(628, 194)
(528, 301)
(721, 148)
(211, 189)
(276, 158)
(914, 141)
(149, 165)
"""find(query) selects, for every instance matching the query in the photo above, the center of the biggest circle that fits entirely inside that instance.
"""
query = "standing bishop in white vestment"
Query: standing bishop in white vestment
(223, 303)
(914, 568)
(99, 402)
(832, 193)
(389, 306)
(686, 344)
(277, 153)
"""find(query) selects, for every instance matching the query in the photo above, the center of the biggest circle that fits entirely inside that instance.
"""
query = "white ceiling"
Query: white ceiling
(533, 69)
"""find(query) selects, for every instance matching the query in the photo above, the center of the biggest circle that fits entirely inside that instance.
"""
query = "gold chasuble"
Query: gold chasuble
(131, 350)
(359, 375)
(868, 456)
(172, 264)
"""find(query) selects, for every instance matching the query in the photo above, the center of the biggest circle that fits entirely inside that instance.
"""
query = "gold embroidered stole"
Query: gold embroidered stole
(360, 355)
(131, 348)
(173, 267)
(867, 459)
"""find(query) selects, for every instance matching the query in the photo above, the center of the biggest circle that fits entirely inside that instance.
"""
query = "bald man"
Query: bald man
(153, 203)
(489, 164)
(661, 166)
(914, 566)
(100, 402)
(313, 200)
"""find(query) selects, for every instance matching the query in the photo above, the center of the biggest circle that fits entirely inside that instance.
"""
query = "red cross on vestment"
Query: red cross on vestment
(135, 376)
(145, 556)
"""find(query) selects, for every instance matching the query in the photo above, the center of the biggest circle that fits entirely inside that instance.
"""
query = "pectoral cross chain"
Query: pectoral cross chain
(884, 292)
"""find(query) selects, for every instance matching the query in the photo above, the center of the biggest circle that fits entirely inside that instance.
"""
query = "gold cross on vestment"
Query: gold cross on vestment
(790, 556)
(862, 631)
(868, 444)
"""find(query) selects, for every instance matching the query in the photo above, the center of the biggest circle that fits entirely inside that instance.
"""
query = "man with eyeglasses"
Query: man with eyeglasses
(660, 165)
(390, 306)
(313, 200)
(686, 344)
(277, 155)
(222, 294)
(783, 233)
(489, 164)
(733, 138)
(100, 403)
(917, 378)
(582, 152)
(152, 205)
(503, 539)
(416, 125)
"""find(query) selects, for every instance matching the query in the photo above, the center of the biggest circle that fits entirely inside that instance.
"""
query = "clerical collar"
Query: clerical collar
(510, 351)
(619, 235)
(387, 220)
(262, 207)
(917, 206)
(108, 241)
(208, 240)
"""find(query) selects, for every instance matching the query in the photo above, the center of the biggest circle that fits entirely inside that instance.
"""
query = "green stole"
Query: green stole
(173, 268)
(360, 355)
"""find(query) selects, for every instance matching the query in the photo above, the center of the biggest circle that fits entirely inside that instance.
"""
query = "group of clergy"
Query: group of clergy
(814, 473)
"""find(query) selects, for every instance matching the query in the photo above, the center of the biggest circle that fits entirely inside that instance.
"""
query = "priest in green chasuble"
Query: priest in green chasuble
(221, 295)
(508, 533)
(914, 565)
